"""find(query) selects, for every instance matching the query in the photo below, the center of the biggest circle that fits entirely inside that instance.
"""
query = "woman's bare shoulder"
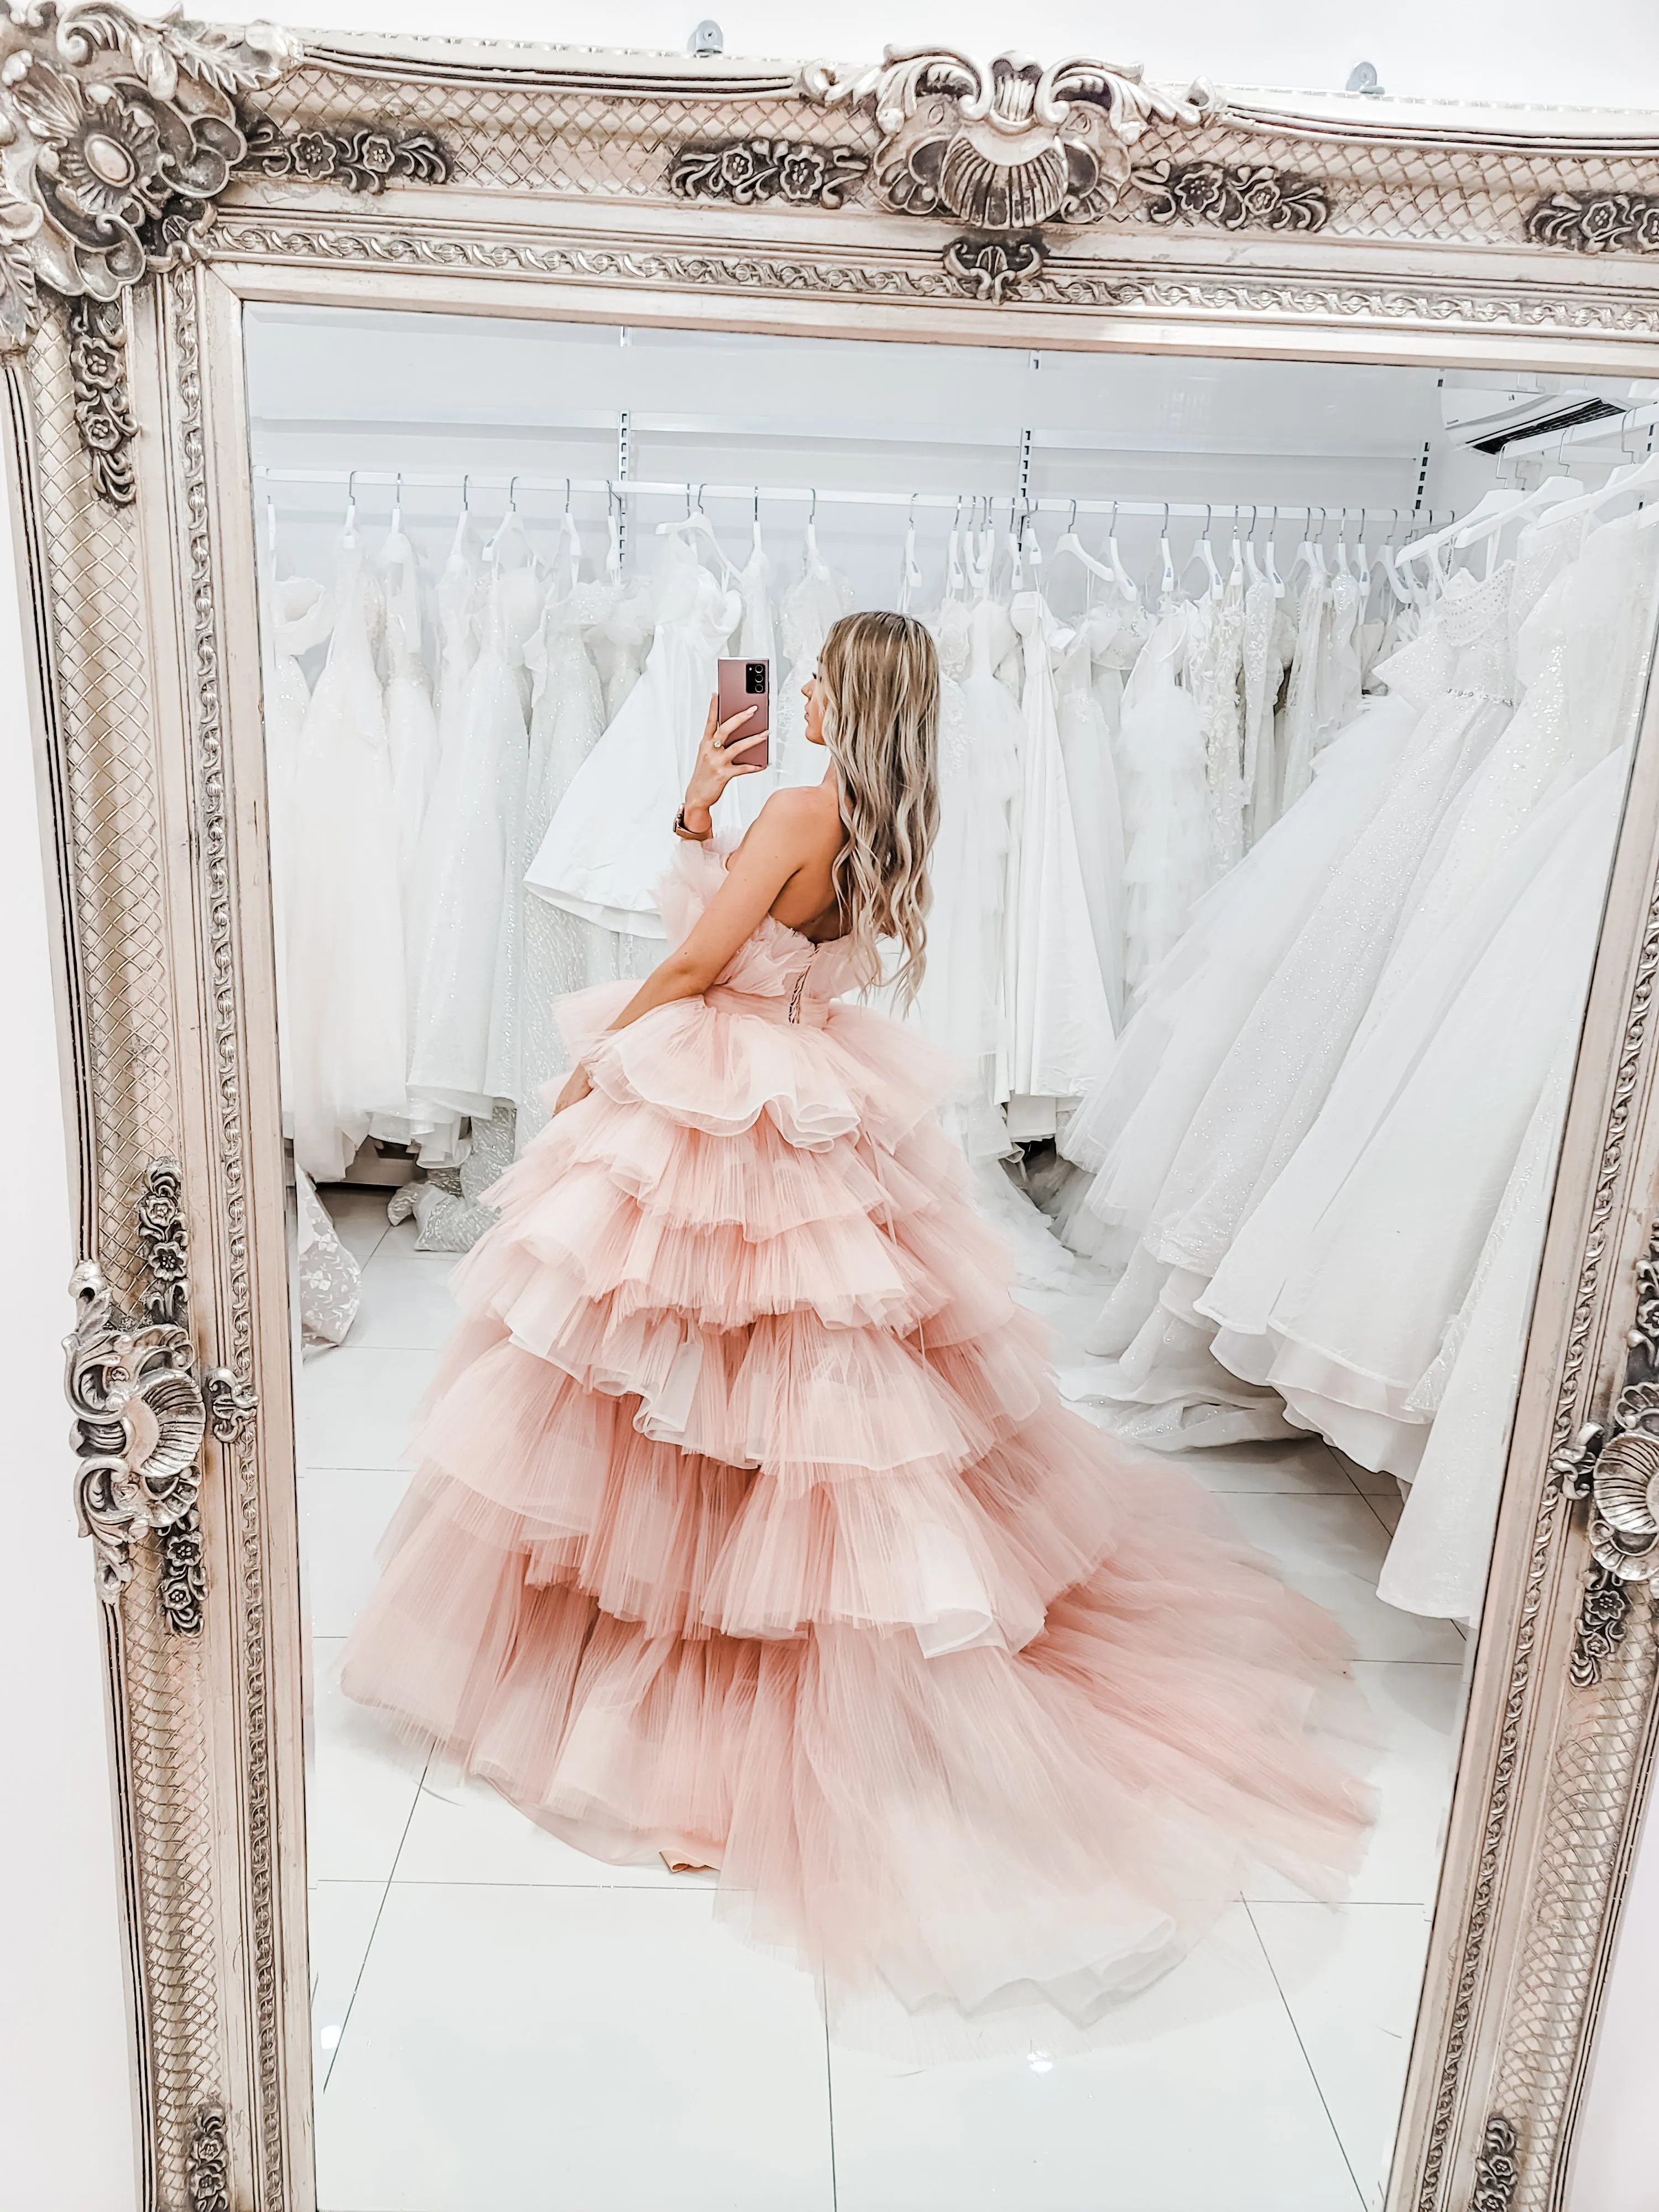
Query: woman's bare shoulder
(807, 814)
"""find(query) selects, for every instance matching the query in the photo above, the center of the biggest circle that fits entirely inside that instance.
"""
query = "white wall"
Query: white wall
(64, 2113)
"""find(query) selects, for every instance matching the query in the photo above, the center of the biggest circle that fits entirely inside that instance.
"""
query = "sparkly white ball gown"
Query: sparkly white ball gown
(749, 1529)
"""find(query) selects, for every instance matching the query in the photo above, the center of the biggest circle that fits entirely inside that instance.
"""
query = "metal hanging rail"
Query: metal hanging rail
(473, 481)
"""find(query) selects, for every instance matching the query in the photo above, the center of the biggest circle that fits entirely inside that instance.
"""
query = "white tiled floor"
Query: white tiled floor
(501, 2020)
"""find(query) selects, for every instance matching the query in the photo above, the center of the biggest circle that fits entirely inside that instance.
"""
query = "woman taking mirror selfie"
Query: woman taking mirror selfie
(750, 1530)
(886, 1447)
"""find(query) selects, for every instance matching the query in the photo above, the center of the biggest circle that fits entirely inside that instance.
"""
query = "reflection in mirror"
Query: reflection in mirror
(791, 1724)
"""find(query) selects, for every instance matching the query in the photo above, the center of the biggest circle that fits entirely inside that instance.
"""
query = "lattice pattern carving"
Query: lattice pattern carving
(114, 824)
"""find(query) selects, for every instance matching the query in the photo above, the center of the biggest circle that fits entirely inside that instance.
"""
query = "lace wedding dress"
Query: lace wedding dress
(749, 1530)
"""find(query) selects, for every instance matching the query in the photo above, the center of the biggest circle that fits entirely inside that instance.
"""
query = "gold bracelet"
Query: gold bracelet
(695, 836)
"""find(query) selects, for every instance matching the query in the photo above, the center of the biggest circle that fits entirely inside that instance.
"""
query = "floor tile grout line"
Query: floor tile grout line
(1318, 2087)
(828, 2086)
(363, 1962)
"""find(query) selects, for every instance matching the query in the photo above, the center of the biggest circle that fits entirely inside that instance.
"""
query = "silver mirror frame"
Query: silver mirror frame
(155, 176)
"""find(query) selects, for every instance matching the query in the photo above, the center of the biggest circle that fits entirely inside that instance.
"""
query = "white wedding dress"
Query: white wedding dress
(1059, 1018)
(462, 867)
(411, 720)
(1271, 1081)
(1164, 799)
(814, 603)
(559, 951)
(297, 614)
(1374, 1280)
(345, 984)
(611, 838)
(1086, 746)
(743, 798)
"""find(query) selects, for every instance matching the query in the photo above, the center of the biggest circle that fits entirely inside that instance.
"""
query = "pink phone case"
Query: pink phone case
(741, 684)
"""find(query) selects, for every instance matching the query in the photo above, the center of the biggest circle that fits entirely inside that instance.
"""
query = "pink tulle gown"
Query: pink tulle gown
(749, 1529)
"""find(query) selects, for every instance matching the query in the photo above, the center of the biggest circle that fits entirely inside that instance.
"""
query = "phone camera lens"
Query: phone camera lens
(755, 678)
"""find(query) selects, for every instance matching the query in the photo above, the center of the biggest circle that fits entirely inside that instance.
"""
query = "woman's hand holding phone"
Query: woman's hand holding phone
(715, 764)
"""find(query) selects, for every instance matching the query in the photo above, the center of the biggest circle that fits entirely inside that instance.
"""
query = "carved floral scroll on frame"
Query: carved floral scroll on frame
(147, 170)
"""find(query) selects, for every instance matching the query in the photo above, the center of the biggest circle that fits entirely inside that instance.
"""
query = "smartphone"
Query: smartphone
(743, 683)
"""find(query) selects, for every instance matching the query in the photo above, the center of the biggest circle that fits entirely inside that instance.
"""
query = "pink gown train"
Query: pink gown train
(750, 1528)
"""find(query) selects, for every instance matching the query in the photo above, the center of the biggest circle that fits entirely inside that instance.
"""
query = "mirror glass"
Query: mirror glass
(889, 1593)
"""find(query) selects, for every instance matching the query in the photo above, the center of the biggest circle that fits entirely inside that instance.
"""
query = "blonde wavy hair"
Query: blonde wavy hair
(880, 678)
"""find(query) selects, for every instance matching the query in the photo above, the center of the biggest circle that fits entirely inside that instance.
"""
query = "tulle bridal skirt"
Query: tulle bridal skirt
(749, 1528)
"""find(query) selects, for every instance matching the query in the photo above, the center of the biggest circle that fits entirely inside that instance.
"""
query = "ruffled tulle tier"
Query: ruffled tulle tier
(750, 1528)
(962, 1829)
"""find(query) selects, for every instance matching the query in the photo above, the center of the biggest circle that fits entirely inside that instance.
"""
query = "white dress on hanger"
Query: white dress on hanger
(1218, 686)
(744, 799)
(437, 1130)
(611, 838)
(479, 790)
(1274, 1078)
(1298, 723)
(411, 721)
(295, 614)
(1164, 796)
(346, 988)
(952, 1006)
(1086, 746)
(619, 639)
(1131, 1125)
(1262, 653)
(1059, 1019)
(1374, 1282)
(810, 608)
(560, 953)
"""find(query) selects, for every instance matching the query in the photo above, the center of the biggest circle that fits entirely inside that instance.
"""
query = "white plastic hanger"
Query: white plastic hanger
(1342, 567)
(1203, 551)
(570, 538)
(1554, 491)
(1126, 583)
(1496, 503)
(909, 567)
(1310, 553)
(349, 530)
(1236, 566)
(694, 523)
(1072, 544)
(1271, 561)
(977, 553)
(1637, 477)
(1169, 582)
(954, 579)
(1252, 566)
(811, 561)
(509, 526)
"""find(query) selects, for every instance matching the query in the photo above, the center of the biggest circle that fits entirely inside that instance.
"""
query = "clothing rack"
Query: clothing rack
(694, 494)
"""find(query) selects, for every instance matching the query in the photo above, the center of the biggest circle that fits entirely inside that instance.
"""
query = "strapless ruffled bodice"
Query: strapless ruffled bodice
(777, 964)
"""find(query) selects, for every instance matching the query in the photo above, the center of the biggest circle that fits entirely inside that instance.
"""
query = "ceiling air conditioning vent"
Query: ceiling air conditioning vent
(1533, 416)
